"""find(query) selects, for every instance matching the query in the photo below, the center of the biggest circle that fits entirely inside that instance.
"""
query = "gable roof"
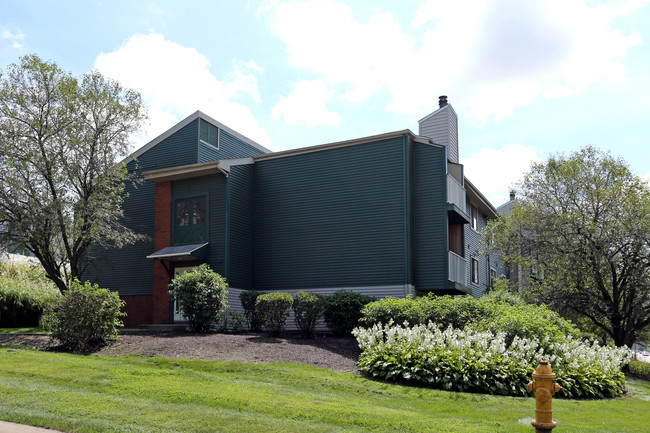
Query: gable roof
(189, 119)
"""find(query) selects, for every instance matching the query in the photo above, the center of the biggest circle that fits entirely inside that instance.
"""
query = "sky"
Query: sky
(528, 78)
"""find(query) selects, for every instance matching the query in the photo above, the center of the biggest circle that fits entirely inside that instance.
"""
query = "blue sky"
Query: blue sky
(527, 78)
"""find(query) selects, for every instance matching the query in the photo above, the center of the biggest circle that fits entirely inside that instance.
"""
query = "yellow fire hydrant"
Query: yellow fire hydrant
(544, 389)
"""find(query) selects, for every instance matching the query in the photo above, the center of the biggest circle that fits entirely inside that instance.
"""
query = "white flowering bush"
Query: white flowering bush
(482, 361)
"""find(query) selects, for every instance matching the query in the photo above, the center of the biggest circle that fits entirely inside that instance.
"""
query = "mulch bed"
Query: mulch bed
(334, 353)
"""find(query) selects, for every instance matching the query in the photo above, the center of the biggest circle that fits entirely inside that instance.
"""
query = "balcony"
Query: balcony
(456, 201)
(457, 268)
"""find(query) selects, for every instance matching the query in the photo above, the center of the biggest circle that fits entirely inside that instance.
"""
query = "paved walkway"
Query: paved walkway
(10, 427)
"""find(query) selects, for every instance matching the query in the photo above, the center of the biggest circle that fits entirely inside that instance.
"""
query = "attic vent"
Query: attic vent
(442, 100)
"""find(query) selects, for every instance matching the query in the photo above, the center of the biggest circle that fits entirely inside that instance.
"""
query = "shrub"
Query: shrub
(201, 295)
(237, 321)
(485, 314)
(342, 310)
(475, 361)
(248, 299)
(526, 321)
(273, 309)
(442, 310)
(85, 317)
(25, 293)
(640, 368)
(307, 308)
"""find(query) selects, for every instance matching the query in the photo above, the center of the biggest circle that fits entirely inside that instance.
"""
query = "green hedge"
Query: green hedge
(307, 308)
(24, 293)
(342, 310)
(248, 299)
(202, 297)
(484, 314)
(273, 309)
(482, 361)
(639, 367)
(85, 317)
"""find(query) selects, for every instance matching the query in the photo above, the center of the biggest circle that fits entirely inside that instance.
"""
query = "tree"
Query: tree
(61, 187)
(581, 230)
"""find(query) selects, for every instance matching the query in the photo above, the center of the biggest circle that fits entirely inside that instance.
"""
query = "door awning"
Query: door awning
(181, 253)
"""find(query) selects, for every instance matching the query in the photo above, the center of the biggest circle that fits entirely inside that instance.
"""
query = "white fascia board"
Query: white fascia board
(480, 199)
(225, 164)
(185, 171)
(319, 147)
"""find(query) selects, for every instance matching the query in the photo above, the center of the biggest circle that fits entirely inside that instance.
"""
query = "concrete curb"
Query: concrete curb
(10, 427)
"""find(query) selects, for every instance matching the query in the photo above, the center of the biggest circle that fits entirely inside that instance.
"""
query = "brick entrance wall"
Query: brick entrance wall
(162, 239)
(138, 310)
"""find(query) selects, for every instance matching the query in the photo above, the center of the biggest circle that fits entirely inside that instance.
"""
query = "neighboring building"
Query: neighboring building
(387, 215)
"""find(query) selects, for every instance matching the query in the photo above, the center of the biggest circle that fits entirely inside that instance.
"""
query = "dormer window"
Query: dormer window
(209, 134)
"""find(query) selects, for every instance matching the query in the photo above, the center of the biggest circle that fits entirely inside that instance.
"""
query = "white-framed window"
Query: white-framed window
(474, 271)
(493, 275)
(473, 213)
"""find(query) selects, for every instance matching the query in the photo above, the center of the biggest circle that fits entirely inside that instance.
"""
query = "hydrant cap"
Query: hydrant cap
(543, 371)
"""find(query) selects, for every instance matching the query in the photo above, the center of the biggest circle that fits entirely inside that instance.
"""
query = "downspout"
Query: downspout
(227, 228)
(407, 210)
(445, 188)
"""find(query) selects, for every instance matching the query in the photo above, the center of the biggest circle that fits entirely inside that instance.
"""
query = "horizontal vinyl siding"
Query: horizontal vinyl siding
(332, 218)
(207, 153)
(430, 258)
(215, 188)
(232, 147)
(127, 270)
(177, 149)
(473, 243)
(240, 226)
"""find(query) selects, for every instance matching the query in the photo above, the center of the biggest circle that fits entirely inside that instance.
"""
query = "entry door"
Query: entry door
(180, 270)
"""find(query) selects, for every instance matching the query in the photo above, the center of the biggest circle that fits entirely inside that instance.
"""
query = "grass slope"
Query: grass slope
(132, 394)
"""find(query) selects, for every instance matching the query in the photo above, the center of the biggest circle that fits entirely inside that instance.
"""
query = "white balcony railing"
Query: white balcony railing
(455, 192)
(457, 268)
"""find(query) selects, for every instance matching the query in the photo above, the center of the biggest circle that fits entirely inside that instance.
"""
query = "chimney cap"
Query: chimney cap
(442, 100)
(512, 195)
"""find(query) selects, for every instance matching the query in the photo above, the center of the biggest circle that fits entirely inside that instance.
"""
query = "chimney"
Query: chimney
(512, 195)
(442, 127)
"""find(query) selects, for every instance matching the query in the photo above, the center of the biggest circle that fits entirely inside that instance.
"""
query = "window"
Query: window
(474, 216)
(190, 220)
(474, 270)
(493, 276)
(209, 134)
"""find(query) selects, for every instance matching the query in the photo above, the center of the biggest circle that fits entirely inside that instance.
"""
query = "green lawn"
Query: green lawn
(35, 330)
(133, 394)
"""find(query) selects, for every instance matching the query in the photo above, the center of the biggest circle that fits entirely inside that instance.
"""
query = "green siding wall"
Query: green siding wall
(177, 149)
(214, 187)
(229, 147)
(239, 271)
(127, 270)
(430, 245)
(332, 218)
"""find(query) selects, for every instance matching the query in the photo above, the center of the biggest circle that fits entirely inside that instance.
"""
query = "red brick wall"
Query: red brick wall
(138, 310)
(162, 239)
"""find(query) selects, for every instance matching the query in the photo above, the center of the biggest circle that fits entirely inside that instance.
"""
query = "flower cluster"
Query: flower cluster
(481, 361)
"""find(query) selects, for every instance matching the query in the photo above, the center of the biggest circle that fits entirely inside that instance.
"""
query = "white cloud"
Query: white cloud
(490, 57)
(512, 160)
(15, 38)
(307, 105)
(175, 81)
